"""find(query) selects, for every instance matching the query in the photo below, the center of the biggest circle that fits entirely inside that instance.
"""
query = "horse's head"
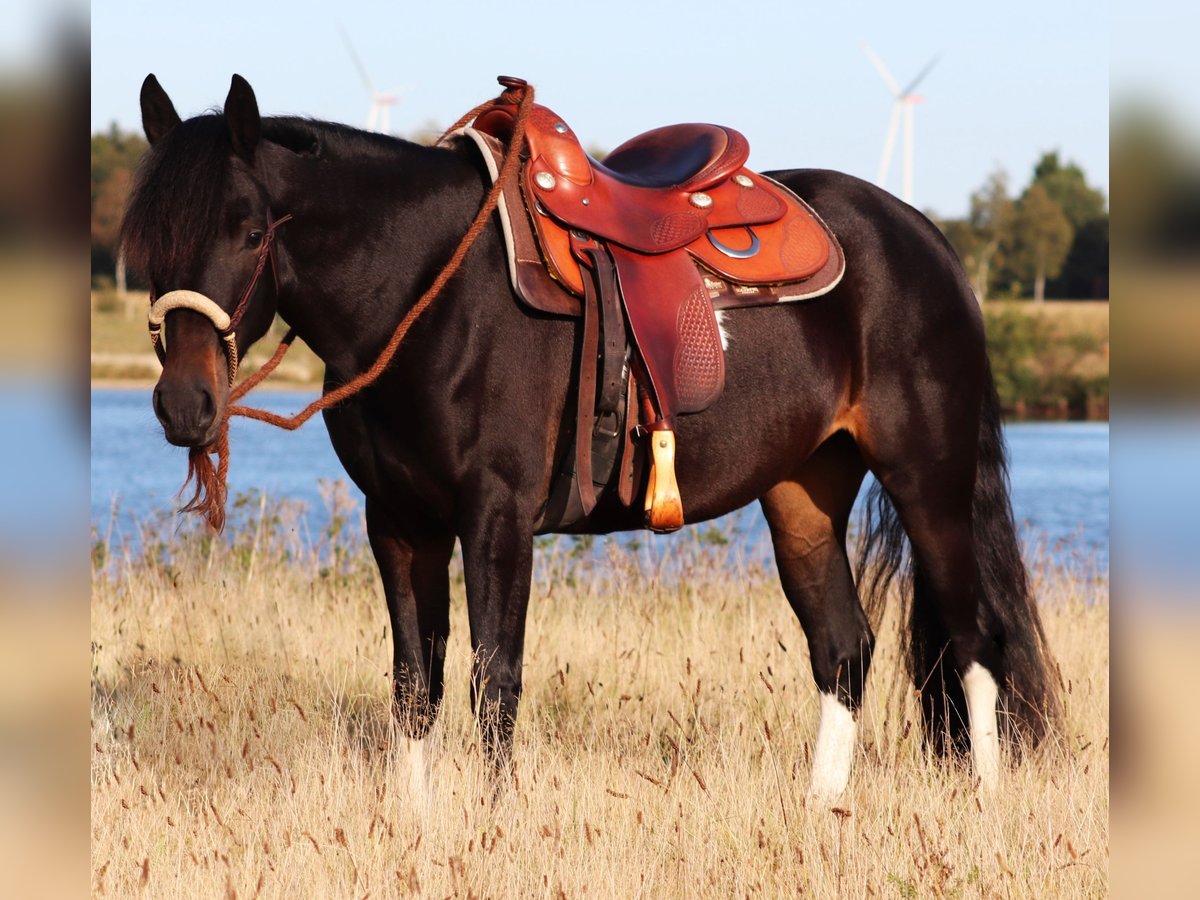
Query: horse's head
(199, 226)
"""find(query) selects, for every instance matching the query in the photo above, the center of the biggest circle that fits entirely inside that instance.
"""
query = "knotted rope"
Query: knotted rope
(211, 489)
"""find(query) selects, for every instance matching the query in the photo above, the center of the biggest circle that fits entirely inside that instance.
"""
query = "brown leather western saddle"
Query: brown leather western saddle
(645, 247)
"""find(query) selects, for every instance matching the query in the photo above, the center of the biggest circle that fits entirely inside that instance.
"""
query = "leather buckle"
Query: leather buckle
(612, 430)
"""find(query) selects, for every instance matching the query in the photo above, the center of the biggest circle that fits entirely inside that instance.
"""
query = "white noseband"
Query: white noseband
(196, 302)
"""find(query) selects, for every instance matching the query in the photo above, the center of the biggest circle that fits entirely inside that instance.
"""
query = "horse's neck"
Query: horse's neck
(368, 236)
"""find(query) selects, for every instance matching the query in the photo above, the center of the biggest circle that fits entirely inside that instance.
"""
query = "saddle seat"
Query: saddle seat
(644, 247)
(688, 157)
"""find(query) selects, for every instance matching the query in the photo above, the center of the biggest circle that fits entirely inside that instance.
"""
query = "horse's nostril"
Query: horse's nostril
(208, 406)
(159, 409)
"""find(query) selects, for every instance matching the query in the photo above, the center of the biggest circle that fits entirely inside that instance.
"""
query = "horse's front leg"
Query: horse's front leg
(413, 566)
(497, 543)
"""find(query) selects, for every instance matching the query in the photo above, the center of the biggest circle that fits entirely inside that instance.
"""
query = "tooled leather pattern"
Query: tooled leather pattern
(802, 245)
(675, 227)
(699, 361)
(755, 202)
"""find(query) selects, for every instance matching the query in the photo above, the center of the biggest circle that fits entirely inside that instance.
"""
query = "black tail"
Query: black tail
(1029, 681)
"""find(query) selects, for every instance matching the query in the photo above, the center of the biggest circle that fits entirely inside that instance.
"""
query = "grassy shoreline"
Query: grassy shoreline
(242, 740)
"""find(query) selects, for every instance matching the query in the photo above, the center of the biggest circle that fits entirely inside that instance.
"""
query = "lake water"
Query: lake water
(1059, 473)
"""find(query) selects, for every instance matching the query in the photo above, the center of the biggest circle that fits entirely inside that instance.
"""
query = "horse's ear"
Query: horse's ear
(158, 113)
(242, 118)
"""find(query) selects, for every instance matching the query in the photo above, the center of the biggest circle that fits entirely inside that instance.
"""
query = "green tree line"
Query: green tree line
(115, 156)
(1051, 240)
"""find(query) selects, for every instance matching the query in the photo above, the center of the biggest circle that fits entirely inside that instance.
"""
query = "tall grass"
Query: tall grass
(243, 744)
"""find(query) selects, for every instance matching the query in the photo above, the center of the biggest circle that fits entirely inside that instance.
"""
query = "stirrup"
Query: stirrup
(664, 507)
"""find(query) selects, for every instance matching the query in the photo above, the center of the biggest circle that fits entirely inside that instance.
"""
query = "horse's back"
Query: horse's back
(898, 262)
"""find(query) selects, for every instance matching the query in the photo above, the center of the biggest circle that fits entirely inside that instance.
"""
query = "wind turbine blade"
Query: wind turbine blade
(889, 144)
(881, 69)
(920, 76)
(908, 153)
(362, 70)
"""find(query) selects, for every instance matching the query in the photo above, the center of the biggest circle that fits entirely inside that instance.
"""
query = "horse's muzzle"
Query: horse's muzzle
(187, 411)
(185, 399)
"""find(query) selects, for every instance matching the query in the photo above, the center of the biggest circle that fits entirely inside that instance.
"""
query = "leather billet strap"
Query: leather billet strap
(600, 442)
(601, 373)
(586, 402)
(225, 323)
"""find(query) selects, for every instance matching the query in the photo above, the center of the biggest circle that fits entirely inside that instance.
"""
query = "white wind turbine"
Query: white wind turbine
(903, 105)
(379, 118)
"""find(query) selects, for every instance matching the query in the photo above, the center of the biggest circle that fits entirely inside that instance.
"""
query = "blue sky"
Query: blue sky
(1013, 80)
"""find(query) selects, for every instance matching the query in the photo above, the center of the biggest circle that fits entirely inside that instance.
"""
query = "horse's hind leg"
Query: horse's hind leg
(417, 586)
(929, 473)
(958, 688)
(808, 517)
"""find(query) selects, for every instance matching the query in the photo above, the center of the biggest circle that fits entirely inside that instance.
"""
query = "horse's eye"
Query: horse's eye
(253, 239)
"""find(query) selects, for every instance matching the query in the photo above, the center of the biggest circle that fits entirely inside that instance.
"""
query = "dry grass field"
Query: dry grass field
(242, 743)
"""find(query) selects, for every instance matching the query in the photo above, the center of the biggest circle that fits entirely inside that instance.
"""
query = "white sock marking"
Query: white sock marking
(834, 753)
(982, 693)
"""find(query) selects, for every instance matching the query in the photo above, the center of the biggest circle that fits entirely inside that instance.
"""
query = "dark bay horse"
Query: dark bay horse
(461, 436)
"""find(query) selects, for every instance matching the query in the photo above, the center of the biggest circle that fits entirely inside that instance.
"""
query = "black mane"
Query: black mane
(176, 201)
